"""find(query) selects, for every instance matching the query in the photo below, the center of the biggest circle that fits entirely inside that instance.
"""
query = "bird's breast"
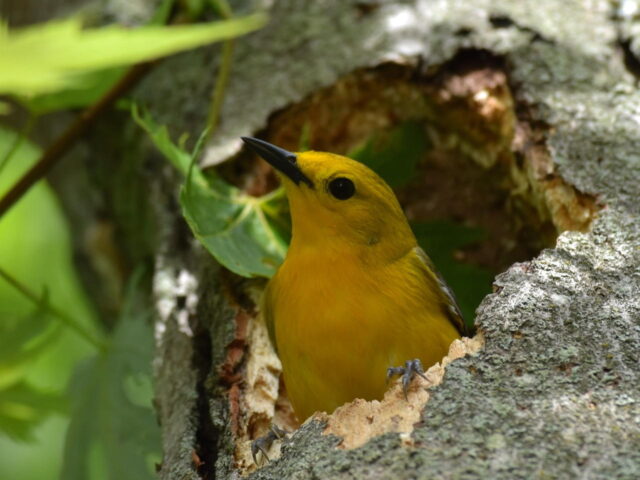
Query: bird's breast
(339, 325)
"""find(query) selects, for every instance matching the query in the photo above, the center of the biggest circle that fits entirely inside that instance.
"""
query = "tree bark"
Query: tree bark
(555, 389)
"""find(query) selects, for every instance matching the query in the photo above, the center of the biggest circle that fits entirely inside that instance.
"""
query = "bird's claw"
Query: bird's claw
(411, 368)
(263, 444)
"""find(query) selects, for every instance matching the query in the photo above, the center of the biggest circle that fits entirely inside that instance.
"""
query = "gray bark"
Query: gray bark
(555, 392)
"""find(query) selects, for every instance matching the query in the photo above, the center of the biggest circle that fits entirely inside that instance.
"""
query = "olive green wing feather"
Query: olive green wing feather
(448, 304)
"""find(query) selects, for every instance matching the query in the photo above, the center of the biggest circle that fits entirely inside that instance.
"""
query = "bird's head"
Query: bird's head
(338, 202)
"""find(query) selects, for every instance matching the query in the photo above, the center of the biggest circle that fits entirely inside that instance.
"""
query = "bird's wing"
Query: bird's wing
(449, 304)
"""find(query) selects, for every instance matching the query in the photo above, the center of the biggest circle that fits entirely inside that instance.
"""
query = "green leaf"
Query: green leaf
(23, 407)
(53, 56)
(94, 86)
(35, 246)
(22, 340)
(304, 143)
(179, 158)
(111, 406)
(162, 13)
(394, 154)
(470, 283)
(248, 235)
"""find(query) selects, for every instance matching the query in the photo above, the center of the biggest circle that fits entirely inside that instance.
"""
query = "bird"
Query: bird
(355, 295)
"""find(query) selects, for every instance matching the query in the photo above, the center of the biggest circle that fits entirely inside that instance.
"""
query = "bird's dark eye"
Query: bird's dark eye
(342, 188)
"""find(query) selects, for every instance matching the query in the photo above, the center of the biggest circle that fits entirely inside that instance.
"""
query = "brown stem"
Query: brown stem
(79, 126)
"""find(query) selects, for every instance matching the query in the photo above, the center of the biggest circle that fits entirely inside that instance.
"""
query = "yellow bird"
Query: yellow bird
(355, 294)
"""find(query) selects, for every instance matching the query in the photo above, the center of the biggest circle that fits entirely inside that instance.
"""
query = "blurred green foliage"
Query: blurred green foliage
(62, 58)
(23, 406)
(394, 154)
(22, 340)
(111, 411)
(441, 239)
(64, 382)
(35, 369)
(108, 407)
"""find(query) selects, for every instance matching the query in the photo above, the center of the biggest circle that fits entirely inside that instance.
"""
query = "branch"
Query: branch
(80, 126)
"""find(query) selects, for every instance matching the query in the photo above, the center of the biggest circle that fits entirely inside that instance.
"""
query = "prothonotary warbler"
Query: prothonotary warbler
(355, 294)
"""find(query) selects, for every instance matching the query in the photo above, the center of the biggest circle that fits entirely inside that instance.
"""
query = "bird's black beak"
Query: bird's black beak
(279, 158)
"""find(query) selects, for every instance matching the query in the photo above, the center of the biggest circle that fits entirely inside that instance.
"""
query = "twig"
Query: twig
(217, 95)
(80, 125)
(221, 84)
(62, 316)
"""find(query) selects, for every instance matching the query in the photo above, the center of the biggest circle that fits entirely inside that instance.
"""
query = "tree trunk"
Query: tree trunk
(537, 100)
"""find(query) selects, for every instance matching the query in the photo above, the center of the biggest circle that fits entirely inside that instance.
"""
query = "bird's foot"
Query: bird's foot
(263, 444)
(411, 369)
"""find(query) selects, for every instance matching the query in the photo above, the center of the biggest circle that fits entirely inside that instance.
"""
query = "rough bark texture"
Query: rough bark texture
(555, 392)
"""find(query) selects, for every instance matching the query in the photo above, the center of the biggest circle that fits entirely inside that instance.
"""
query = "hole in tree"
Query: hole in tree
(468, 164)
(470, 170)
